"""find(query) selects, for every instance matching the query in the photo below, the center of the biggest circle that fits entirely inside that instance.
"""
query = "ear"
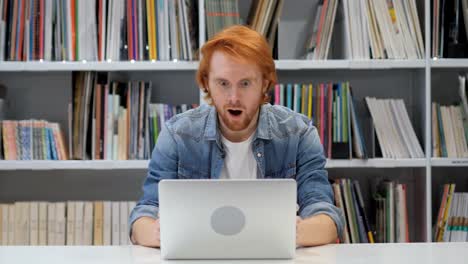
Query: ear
(205, 85)
(265, 86)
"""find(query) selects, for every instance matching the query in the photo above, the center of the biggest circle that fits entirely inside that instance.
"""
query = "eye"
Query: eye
(245, 83)
(222, 83)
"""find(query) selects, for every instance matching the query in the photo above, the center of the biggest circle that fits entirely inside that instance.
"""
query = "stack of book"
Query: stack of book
(221, 14)
(348, 198)
(32, 140)
(319, 41)
(98, 30)
(391, 213)
(264, 16)
(452, 219)
(331, 107)
(159, 114)
(114, 120)
(391, 219)
(449, 28)
(449, 135)
(395, 133)
(383, 29)
(65, 223)
(450, 126)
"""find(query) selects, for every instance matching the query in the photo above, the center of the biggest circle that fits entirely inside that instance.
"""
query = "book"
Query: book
(107, 221)
(88, 224)
(115, 218)
(34, 224)
(98, 227)
(60, 223)
(43, 223)
(79, 223)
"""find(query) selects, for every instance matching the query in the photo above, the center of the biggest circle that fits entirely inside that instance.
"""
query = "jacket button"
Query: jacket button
(259, 154)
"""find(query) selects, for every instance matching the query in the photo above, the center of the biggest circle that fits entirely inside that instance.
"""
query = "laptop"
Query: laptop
(228, 219)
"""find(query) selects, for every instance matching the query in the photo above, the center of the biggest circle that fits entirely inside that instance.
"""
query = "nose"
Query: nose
(234, 95)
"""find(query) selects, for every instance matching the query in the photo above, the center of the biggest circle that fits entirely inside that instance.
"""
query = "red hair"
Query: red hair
(242, 43)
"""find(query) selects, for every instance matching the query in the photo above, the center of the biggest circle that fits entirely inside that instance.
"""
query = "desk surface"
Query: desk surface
(446, 253)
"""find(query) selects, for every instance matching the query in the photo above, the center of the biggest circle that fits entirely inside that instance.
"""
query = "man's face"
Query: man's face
(237, 90)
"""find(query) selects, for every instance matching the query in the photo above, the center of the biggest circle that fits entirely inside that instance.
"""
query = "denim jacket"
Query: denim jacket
(285, 145)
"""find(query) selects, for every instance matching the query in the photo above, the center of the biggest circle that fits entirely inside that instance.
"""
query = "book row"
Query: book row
(452, 219)
(450, 126)
(332, 108)
(390, 207)
(98, 30)
(65, 223)
(115, 120)
(32, 140)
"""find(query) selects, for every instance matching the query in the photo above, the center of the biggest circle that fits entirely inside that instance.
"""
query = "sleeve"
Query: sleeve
(163, 165)
(315, 195)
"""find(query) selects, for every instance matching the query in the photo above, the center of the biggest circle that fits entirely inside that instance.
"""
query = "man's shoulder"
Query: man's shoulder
(285, 121)
(190, 123)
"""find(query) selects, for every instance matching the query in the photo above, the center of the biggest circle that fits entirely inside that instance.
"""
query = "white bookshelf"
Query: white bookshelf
(449, 63)
(449, 162)
(348, 64)
(8, 165)
(38, 89)
(376, 163)
(74, 165)
(42, 66)
(38, 66)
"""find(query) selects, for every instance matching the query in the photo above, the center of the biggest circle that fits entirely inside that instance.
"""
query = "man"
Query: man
(239, 135)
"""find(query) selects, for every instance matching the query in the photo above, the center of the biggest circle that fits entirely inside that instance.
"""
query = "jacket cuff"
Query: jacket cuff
(332, 211)
(140, 211)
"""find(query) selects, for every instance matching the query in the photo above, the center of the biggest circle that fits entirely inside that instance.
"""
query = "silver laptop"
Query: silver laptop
(228, 219)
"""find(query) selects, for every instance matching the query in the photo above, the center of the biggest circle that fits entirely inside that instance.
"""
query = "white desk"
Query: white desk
(377, 253)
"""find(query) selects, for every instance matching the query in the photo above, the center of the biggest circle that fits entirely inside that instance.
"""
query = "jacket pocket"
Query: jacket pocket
(185, 172)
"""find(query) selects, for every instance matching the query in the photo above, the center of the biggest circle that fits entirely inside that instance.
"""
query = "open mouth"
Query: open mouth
(235, 112)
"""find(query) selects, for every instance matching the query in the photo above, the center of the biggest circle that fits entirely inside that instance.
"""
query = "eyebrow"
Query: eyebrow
(245, 78)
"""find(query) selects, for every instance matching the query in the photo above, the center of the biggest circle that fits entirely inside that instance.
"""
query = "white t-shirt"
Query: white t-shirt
(239, 162)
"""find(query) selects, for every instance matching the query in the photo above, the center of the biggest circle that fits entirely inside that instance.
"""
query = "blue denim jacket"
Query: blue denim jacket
(285, 145)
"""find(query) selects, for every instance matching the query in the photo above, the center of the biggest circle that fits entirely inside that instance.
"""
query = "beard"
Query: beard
(236, 117)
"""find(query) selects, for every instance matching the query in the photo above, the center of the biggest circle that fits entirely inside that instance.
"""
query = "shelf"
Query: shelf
(73, 164)
(143, 164)
(348, 64)
(38, 66)
(449, 63)
(376, 163)
(449, 162)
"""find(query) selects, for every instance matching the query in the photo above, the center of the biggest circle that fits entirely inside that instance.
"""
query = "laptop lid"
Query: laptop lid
(228, 219)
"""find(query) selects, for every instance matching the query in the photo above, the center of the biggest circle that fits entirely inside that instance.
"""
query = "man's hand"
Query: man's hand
(316, 230)
(146, 232)
(298, 221)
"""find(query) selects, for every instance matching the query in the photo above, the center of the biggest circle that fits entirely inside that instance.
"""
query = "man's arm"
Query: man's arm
(316, 230)
(145, 232)
(143, 221)
(322, 221)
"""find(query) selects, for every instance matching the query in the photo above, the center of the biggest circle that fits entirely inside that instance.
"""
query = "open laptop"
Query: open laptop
(228, 219)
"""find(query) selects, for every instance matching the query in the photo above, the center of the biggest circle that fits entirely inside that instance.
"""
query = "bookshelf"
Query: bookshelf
(37, 66)
(448, 162)
(42, 90)
(143, 164)
(448, 63)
